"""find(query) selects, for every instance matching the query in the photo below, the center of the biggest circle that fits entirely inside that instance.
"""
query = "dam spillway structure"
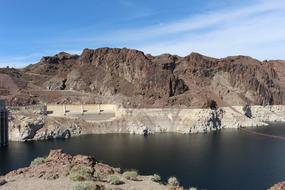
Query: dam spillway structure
(3, 124)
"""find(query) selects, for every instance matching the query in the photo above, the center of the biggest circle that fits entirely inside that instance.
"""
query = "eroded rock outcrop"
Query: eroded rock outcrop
(199, 120)
(140, 80)
(62, 171)
(28, 124)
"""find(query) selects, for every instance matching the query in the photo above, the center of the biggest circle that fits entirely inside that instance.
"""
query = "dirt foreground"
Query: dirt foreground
(65, 172)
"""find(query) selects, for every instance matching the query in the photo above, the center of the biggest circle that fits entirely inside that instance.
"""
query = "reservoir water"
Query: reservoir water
(228, 159)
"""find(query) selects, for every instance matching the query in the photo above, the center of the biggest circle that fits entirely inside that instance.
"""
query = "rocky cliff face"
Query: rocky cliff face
(140, 80)
(30, 124)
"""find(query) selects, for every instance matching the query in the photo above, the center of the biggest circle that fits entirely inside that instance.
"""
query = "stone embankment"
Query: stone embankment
(32, 124)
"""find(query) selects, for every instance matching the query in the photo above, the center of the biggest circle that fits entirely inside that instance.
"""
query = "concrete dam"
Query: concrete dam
(88, 112)
(3, 124)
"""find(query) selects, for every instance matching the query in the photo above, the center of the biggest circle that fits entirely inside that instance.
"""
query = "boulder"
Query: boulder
(2, 182)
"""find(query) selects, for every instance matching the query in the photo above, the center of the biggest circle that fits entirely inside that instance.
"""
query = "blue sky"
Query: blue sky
(30, 29)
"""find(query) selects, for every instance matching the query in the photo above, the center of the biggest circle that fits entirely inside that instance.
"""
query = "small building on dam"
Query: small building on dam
(3, 124)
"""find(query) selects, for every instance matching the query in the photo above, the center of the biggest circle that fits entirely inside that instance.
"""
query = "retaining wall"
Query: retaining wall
(86, 108)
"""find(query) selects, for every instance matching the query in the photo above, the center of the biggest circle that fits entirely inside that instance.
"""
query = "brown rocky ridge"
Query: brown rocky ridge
(62, 171)
(131, 78)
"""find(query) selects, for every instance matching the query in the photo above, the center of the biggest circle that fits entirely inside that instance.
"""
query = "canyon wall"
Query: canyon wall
(133, 79)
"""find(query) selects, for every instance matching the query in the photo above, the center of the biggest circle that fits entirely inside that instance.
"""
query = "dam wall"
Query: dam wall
(3, 124)
(63, 109)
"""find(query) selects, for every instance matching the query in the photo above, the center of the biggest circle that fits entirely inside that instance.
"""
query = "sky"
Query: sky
(30, 29)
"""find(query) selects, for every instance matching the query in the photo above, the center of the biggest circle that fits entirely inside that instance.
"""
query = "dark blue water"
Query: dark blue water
(229, 159)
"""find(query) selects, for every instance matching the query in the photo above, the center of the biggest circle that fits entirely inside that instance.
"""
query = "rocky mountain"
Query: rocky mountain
(132, 78)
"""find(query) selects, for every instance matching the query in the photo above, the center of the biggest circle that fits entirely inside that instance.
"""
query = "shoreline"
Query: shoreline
(156, 133)
(27, 125)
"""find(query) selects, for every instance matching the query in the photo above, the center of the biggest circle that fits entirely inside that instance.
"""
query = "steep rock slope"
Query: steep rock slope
(131, 78)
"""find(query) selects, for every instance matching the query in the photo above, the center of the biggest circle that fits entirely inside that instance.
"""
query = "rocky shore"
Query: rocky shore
(31, 124)
(62, 171)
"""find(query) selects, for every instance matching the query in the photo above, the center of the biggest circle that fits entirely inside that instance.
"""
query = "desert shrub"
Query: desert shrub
(247, 111)
(38, 161)
(173, 181)
(86, 185)
(98, 176)
(156, 178)
(115, 180)
(118, 170)
(131, 175)
(212, 104)
(80, 173)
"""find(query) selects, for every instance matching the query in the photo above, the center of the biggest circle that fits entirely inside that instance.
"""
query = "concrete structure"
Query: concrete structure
(3, 124)
(61, 109)
(88, 112)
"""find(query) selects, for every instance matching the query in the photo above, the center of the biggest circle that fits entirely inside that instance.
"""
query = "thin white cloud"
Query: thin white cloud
(261, 37)
(205, 20)
(22, 61)
(135, 13)
(13, 63)
(255, 30)
(18, 61)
